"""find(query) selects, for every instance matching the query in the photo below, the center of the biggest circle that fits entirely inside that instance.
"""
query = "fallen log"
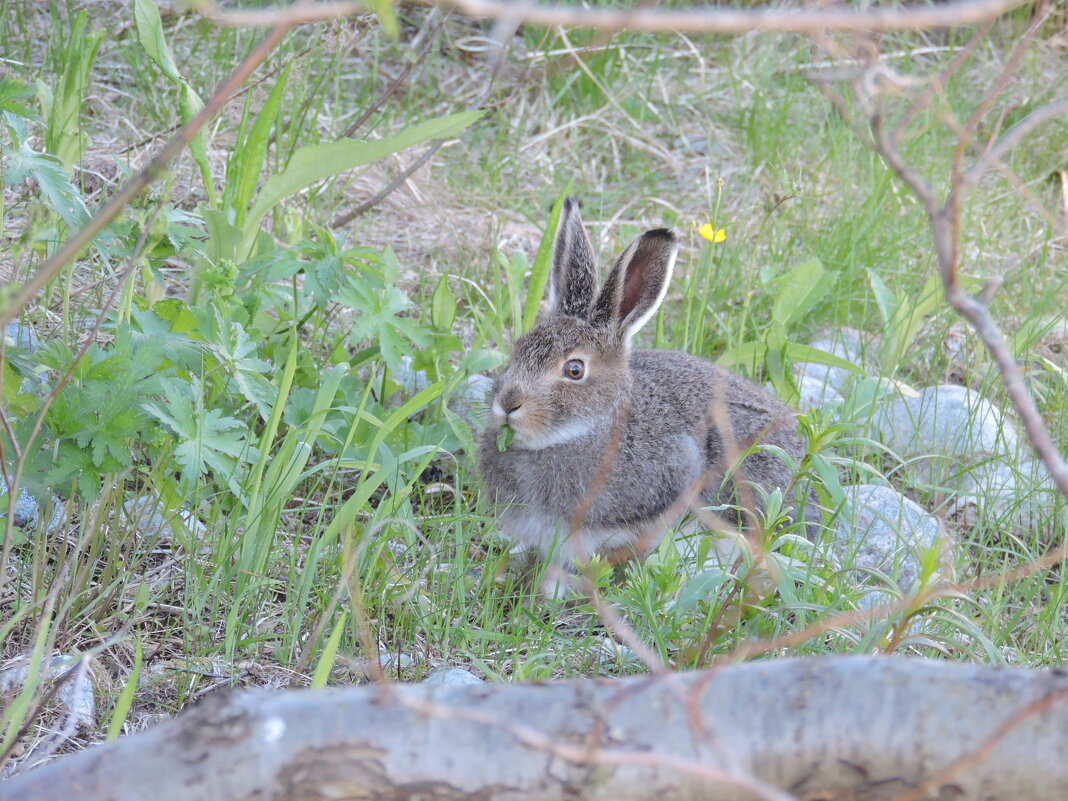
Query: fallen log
(826, 728)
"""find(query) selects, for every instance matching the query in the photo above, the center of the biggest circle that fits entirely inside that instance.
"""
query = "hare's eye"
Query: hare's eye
(574, 369)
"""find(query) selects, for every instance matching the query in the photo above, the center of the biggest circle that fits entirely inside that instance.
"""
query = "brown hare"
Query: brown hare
(610, 443)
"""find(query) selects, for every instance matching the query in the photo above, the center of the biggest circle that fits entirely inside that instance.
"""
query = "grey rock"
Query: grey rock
(847, 344)
(879, 529)
(21, 336)
(451, 677)
(944, 428)
(27, 511)
(816, 393)
(148, 515)
(696, 144)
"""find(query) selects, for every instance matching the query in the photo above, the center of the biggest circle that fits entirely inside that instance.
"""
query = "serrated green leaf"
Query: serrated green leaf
(206, 439)
(12, 91)
(53, 179)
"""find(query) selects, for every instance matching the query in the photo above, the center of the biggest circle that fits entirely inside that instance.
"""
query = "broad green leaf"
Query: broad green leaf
(223, 236)
(64, 137)
(752, 353)
(799, 290)
(775, 360)
(384, 11)
(907, 320)
(150, 35)
(885, 299)
(543, 259)
(443, 306)
(315, 162)
(126, 697)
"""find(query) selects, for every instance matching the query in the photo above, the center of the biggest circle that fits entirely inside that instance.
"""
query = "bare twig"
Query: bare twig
(287, 16)
(388, 189)
(1008, 141)
(420, 57)
(717, 19)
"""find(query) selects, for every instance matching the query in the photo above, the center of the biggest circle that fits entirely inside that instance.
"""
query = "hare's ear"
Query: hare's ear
(634, 289)
(573, 280)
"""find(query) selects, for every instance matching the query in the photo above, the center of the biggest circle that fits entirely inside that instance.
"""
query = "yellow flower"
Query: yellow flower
(712, 234)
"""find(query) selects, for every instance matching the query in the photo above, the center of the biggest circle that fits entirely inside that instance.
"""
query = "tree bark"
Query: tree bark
(827, 728)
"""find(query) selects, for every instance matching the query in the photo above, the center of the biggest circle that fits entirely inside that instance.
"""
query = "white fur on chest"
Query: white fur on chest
(531, 531)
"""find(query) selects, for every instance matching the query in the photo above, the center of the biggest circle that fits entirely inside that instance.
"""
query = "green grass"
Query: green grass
(314, 505)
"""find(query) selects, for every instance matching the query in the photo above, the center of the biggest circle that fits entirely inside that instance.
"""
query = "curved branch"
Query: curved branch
(1009, 140)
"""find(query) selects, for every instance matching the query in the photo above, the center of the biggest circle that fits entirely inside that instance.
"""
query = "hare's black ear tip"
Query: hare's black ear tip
(572, 203)
(665, 235)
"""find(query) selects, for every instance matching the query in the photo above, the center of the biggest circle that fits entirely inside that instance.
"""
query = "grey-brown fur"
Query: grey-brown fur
(663, 399)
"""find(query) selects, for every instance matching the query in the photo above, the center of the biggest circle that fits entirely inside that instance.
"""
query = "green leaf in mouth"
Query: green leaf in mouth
(505, 435)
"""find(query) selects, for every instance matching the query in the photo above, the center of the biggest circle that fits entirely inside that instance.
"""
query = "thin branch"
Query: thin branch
(1011, 139)
(420, 57)
(388, 189)
(716, 19)
(287, 16)
(939, 82)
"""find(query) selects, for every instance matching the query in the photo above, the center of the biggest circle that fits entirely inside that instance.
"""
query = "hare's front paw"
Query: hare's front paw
(557, 584)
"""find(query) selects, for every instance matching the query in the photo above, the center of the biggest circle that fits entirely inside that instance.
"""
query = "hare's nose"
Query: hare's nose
(510, 401)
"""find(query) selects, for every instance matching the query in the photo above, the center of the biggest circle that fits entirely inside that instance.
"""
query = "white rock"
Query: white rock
(452, 677)
(880, 529)
(816, 393)
(945, 428)
(411, 380)
(76, 694)
(21, 336)
(1022, 496)
(150, 518)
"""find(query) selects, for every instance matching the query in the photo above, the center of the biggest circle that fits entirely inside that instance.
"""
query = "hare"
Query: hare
(610, 444)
